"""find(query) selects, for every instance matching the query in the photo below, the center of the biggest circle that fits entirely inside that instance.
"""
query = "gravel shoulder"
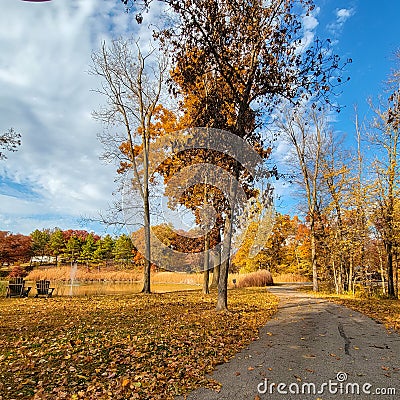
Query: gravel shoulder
(312, 349)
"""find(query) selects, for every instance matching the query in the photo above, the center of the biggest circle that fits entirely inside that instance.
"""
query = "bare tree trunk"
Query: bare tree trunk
(341, 288)
(335, 277)
(147, 263)
(350, 277)
(216, 269)
(206, 262)
(206, 266)
(314, 259)
(389, 269)
(382, 273)
(146, 204)
(222, 298)
(396, 276)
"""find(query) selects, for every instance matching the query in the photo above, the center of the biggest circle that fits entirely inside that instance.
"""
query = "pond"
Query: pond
(102, 288)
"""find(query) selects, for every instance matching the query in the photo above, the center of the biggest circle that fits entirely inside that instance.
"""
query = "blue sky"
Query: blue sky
(56, 177)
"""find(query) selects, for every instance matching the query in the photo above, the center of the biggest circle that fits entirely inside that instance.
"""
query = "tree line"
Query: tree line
(65, 247)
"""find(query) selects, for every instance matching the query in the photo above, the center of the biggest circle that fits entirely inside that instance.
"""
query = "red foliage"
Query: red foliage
(81, 234)
(14, 248)
(17, 272)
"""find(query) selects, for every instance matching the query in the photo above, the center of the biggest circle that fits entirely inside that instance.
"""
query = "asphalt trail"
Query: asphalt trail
(312, 349)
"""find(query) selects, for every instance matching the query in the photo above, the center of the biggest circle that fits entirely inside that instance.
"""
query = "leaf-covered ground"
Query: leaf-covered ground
(385, 311)
(122, 347)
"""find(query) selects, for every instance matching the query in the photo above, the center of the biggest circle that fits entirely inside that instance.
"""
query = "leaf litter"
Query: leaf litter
(123, 347)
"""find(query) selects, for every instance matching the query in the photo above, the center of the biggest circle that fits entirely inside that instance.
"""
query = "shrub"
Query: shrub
(256, 279)
(17, 272)
(3, 288)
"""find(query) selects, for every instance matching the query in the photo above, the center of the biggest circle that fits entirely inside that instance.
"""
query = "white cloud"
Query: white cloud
(342, 15)
(310, 23)
(45, 93)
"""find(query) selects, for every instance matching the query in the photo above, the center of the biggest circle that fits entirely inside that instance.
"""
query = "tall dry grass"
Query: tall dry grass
(65, 273)
(177, 277)
(254, 279)
(290, 278)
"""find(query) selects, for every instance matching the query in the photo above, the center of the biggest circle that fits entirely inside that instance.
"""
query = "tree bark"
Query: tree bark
(206, 262)
(147, 263)
(314, 257)
(389, 269)
(206, 269)
(222, 298)
(216, 269)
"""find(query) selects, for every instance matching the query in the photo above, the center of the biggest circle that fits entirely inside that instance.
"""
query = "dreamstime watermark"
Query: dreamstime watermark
(339, 386)
(205, 168)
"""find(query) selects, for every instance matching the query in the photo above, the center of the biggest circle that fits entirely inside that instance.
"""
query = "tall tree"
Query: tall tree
(386, 124)
(132, 89)
(123, 249)
(88, 249)
(252, 51)
(104, 250)
(40, 241)
(336, 182)
(73, 248)
(307, 134)
(57, 243)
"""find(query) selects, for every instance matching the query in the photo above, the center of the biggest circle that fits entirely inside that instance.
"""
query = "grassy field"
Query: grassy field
(119, 347)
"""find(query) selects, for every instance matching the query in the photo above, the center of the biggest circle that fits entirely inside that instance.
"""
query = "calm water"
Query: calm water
(99, 288)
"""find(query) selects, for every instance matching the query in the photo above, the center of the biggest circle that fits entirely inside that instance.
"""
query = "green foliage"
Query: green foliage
(40, 240)
(88, 249)
(104, 250)
(73, 248)
(123, 249)
(57, 242)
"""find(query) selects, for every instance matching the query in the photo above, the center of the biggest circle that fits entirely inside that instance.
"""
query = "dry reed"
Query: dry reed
(81, 274)
(290, 278)
(65, 273)
(255, 279)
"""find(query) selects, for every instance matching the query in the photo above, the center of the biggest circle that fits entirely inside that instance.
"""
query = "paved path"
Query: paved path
(311, 342)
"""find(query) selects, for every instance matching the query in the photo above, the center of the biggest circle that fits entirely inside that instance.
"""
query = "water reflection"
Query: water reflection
(102, 288)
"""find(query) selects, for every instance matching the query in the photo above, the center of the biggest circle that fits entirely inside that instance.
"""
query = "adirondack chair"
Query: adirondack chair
(16, 288)
(43, 288)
